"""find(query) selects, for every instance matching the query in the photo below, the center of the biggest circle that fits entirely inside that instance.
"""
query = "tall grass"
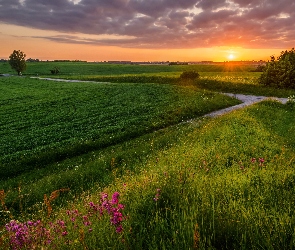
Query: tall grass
(223, 183)
(242, 83)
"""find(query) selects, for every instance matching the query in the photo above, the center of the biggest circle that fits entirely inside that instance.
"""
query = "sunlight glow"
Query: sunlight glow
(231, 56)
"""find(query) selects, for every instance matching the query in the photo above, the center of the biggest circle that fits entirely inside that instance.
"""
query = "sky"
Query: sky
(147, 30)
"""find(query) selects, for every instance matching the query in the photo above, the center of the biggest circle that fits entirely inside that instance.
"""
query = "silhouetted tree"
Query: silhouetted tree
(17, 61)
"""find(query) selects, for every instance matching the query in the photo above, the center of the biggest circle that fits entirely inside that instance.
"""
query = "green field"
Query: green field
(45, 121)
(211, 183)
(105, 69)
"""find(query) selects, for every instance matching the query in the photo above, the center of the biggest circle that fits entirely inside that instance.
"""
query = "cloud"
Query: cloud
(159, 23)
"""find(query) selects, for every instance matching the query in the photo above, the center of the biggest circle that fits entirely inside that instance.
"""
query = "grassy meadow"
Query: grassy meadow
(121, 166)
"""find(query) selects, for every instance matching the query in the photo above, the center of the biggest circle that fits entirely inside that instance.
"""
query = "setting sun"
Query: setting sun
(231, 56)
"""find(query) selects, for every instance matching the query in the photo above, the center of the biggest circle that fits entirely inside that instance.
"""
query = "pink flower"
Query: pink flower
(64, 233)
(115, 198)
(157, 196)
(119, 229)
(104, 196)
(121, 206)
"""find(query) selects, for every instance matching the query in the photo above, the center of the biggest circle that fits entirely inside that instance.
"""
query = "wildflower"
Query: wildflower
(157, 196)
(119, 229)
(253, 160)
(261, 161)
(104, 196)
(61, 223)
(115, 198)
(121, 206)
(64, 233)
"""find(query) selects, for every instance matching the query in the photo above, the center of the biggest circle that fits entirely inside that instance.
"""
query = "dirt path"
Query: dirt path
(62, 80)
(246, 99)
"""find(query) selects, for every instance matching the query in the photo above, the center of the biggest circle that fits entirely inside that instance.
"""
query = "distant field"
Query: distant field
(82, 68)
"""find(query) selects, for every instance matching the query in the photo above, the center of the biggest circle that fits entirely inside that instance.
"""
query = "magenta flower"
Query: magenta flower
(34, 235)
(119, 229)
(115, 198)
(104, 196)
(64, 233)
(157, 196)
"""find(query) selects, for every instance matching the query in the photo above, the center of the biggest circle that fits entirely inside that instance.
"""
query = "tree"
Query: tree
(280, 72)
(17, 61)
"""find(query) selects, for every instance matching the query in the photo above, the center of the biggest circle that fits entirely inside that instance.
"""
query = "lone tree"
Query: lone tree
(17, 61)
(280, 72)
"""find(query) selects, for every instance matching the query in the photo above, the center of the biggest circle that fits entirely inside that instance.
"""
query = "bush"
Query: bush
(54, 71)
(259, 68)
(280, 72)
(189, 75)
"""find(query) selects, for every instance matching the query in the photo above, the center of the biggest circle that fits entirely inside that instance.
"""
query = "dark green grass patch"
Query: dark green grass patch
(45, 121)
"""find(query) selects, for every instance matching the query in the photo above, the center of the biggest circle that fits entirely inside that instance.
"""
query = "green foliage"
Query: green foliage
(242, 83)
(55, 70)
(259, 68)
(189, 75)
(280, 72)
(291, 101)
(17, 61)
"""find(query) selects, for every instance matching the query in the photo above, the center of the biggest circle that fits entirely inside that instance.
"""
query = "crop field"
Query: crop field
(104, 69)
(117, 165)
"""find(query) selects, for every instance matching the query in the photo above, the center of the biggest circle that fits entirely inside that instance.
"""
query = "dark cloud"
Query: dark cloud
(211, 4)
(160, 23)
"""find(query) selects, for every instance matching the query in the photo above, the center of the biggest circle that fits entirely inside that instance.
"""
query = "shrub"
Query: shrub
(280, 72)
(189, 75)
(54, 71)
(259, 68)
